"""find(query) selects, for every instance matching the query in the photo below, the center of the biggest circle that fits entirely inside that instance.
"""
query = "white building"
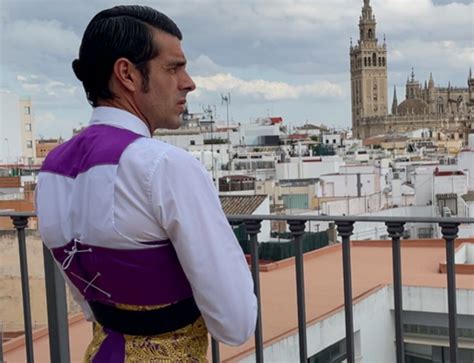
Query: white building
(16, 130)
(466, 164)
(182, 139)
(349, 185)
(431, 180)
(308, 167)
(254, 134)
(333, 139)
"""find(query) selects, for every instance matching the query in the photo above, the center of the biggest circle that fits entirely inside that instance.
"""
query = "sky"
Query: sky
(287, 58)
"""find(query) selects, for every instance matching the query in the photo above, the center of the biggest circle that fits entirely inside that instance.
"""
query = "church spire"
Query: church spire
(395, 101)
(431, 82)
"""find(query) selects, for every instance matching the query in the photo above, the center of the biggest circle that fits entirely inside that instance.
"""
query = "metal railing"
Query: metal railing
(56, 295)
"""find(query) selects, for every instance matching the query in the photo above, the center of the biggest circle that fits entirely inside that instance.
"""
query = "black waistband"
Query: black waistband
(147, 322)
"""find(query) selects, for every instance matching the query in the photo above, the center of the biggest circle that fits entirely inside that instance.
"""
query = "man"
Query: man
(135, 224)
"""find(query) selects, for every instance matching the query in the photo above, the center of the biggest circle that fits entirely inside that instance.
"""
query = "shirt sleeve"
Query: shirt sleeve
(187, 206)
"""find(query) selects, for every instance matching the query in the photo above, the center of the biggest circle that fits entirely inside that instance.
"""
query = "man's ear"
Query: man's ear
(127, 75)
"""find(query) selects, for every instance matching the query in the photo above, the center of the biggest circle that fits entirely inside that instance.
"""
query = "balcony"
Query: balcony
(304, 300)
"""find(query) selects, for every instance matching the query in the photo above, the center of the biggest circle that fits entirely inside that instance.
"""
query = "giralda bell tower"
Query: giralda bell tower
(368, 74)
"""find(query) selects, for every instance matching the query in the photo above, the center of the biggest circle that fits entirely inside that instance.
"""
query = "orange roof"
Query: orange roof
(371, 269)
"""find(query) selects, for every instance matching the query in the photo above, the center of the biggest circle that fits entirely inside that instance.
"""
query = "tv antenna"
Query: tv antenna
(226, 99)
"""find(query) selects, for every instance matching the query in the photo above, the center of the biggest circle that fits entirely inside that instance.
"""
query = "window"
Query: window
(440, 105)
(192, 142)
(27, 110)
(29, 144)
(335, 353)
(333, 141)
(27, 127)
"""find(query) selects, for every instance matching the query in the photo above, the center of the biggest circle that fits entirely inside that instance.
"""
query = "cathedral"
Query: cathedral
(444, 109)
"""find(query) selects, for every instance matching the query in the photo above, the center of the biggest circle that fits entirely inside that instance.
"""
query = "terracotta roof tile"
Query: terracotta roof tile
(241, 204)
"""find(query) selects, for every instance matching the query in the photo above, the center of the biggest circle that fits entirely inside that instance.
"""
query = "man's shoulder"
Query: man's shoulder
(160, 148)
(96, 145)
(148, 153)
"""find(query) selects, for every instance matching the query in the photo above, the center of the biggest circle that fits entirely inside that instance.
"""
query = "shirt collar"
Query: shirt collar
(119, 118)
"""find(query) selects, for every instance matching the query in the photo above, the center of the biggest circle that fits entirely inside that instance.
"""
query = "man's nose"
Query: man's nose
(187, 83)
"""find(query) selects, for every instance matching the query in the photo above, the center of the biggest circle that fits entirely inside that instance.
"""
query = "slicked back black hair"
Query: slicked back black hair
(121, 31)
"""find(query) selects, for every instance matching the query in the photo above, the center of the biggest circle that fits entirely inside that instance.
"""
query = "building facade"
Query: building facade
(443, 109)
(10, 129)
(27, 131)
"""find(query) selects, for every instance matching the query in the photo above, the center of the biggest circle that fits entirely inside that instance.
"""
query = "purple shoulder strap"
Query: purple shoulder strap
(96, 145)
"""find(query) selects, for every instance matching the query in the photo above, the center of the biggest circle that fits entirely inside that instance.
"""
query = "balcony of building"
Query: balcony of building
(397, 300)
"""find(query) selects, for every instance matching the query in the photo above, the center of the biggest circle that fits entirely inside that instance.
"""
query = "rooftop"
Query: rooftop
(469, 197)
(324, 290)
(241, 204)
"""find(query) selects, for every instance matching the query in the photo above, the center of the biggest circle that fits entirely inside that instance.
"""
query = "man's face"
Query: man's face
(163, 101)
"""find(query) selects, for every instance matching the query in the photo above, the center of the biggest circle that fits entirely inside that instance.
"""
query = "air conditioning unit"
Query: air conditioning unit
(446, 212)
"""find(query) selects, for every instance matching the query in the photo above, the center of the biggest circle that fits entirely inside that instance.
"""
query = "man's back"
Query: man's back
(115, 188)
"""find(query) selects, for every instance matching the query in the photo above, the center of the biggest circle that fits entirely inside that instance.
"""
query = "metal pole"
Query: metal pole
(20, 224)
(215, 351)
(253, 228)
(297, 230)
(395, 231)
(1, 342)
(56, 304)
(450, 232)
(345, 230)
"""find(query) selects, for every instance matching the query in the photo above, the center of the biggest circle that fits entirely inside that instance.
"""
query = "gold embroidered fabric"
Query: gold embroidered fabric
(188, 344)
(94, 345)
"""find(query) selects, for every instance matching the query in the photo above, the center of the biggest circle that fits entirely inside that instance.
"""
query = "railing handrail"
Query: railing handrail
(328, 218)
(17, 214)
(319, 218)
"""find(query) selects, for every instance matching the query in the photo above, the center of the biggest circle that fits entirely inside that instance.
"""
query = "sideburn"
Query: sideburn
(145, 73)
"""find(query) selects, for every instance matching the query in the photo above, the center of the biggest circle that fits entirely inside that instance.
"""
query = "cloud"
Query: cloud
(267, 90)
(204, 66)
(43, 38)
(443, 56)
(38, 47)
(39, 85)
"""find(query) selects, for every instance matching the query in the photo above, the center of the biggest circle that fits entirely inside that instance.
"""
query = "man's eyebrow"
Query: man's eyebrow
(176, 63)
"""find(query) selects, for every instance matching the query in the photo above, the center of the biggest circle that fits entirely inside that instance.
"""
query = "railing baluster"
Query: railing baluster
(345, 230)
(1, 341)
(297, 230)
(253, 228)
(215, 351)
(395, 231)
(20, 224)
(56, 304)
(450, 232)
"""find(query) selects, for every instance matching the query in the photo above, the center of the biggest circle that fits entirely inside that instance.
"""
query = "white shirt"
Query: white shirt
(161, 192)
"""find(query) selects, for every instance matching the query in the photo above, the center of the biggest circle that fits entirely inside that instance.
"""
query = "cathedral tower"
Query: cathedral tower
(368, 73)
